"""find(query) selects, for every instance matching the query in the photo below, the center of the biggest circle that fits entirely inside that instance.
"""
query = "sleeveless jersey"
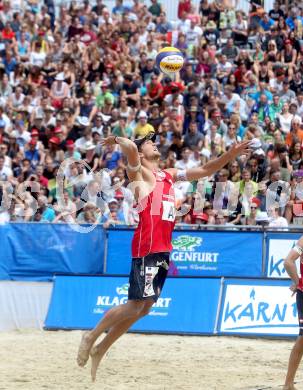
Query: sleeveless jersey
(156, 218)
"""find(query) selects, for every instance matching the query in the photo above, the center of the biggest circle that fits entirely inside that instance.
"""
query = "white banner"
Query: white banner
(277, 251)
(255, 309)
(23, 304)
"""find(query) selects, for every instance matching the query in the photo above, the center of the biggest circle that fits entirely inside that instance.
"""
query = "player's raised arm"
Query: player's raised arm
(130, 150)
(212, 166)
(290, 263)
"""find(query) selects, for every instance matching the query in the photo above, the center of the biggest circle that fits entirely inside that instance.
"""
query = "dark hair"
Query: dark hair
(128, 77)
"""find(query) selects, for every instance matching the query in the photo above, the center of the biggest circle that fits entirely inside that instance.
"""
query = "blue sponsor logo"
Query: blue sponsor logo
(258, 312)
(187, 254)
(106, 302)
(276, 266)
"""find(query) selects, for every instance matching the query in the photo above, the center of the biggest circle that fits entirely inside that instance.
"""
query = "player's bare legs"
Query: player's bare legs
(293, 364)
(114, 333)
(114, 316)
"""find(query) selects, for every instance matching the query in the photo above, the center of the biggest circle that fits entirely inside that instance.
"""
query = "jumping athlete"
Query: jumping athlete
(151, 245)
(297, 288)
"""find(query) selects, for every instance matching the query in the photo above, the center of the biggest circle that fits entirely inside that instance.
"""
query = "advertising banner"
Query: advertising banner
(37, 251)
(217, 254)
(258, 307)
(185, 305)
(119, 251)
(196, 253)
(278, 245)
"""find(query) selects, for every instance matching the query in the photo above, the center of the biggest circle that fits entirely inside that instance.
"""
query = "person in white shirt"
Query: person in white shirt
(240, 29)
(5, 172)
(169, 98)
(275, 219)
(299, 102)
(184, 23)
(16, 99)
(285, 118)
(151, 52)
(22, 136)
(193, 34)
(37, 58)
(234, 103)
(224, 68)
(183, 187)
(98, 128)
(276, 84)
(186, 162)
(231, 137)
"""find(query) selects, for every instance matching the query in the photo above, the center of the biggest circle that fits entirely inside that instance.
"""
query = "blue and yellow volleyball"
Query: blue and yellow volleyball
(169, 60)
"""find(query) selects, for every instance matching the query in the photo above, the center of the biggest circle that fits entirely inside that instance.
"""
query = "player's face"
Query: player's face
(150, 150)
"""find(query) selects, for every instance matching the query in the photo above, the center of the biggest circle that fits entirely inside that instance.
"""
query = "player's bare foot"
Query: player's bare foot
(96, 355)
(84, 349)
(289, 387)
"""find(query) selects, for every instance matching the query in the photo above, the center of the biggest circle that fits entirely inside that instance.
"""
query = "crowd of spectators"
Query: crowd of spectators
(70, 76)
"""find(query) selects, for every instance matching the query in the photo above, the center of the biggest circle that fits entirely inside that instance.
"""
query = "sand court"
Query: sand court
(38, 360)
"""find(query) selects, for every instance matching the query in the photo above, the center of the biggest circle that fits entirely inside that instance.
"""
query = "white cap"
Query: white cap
(83, 120)
(60, 76)
(255, 143)
(89, 145)
(262, 217)
(142, 114)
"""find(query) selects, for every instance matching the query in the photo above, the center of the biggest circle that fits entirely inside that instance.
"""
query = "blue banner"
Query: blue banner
(277, 247)
(185, 306)
(196, 253)
(258, 307)
(38, 251)
(118, 259)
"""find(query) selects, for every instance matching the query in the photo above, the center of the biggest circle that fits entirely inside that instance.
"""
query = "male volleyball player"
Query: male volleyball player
(297, 288)
(151, 245)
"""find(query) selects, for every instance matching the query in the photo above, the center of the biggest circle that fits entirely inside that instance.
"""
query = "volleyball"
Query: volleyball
(169, 60)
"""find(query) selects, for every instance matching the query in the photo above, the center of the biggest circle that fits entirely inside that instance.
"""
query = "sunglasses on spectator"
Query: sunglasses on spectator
(253, 208)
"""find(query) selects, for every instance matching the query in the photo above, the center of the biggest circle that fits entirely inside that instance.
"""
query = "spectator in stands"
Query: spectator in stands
(275, 219)
(68, 81)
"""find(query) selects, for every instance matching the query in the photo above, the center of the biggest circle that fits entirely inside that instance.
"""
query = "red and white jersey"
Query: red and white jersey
(157, 218)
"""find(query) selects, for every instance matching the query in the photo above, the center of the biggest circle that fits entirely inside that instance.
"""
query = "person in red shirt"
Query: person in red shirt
(7, 33)
(171, 87)
(296, 288)
(87, 35)
(183, 6)
(240, 74)
(2, 128)
(39, 173)
(151, 244)
(154, 89)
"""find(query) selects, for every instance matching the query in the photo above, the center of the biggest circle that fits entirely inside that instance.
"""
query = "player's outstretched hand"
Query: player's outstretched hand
(239, 148)
(108, 140)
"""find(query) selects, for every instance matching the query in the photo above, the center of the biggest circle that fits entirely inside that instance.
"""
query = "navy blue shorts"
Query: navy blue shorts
(147, 276)
(299, 299)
